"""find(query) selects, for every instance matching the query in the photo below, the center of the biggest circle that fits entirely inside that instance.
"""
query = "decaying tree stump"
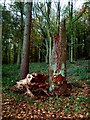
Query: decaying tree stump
(33, 83)
(57, 68)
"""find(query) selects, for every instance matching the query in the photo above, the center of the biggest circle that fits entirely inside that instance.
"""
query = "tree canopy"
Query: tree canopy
(45, 17)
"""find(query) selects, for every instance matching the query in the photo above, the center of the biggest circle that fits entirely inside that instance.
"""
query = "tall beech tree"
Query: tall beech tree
(21, 8)
(58, 15)
(26, 42)
(71, 30)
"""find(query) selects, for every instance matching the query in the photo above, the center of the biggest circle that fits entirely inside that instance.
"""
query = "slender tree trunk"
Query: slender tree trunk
(19, 55)
(39, 54)
(72, 44)
(75, 50)
(71, 59)
(4, 3)
(0, 47)
(0, 67)
(46, 57)
(70, 3)
(14, 47)
(58, 16)
(50, 49)
(48, 31)
(22, 31)
(6, 53)
(26, 44)
(15, 41)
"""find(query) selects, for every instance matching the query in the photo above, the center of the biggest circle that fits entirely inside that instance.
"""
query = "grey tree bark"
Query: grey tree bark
(26, 43)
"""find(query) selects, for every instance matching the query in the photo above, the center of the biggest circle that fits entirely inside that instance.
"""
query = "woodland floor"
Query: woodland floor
(17, 106)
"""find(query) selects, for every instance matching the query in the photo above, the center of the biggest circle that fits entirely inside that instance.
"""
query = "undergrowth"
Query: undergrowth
(75, 104)
(11, 72)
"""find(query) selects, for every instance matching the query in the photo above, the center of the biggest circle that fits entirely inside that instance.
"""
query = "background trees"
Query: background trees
(45, 22)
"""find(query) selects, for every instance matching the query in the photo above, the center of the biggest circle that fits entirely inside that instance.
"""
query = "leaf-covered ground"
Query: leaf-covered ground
(17, 106)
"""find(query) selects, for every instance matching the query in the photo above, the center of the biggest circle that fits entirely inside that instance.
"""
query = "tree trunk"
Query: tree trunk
(57, 70)
(70, 3)
(7, 53)
(48, 31)
(58, 16)
(50, 49)
(15, 41)
(46, 57)
(4, 3)
(26, 44)
(72, 44)
(71, 50)
(39, 54)
(21, 32)
(0, 49)
(14, 47)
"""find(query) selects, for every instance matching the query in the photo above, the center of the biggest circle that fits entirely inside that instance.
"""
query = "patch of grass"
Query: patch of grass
(82, 76)
(11, 72)
(79, 70)
(39, 67)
